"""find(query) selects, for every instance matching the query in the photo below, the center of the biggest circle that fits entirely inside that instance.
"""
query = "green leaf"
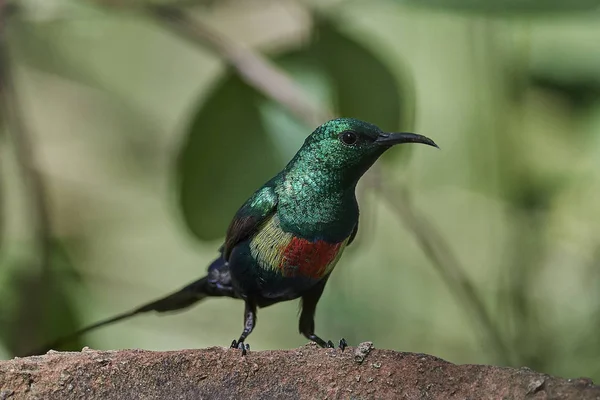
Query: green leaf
(508, 6)
(238, 139)
(226, 157)
(364, 85)
(287, 132)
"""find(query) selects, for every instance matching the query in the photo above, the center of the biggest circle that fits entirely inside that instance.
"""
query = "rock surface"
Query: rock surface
(305, 373)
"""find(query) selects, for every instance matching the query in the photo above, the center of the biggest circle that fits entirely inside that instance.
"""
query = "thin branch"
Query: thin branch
(16, 129)
(446, 264)
(254, 69)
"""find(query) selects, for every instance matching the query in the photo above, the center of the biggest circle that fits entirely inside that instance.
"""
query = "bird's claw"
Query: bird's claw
(240, 345)
(342, 344)
(245, 348)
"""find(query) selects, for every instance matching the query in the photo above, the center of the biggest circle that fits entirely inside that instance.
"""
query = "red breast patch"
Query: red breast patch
(309, 259)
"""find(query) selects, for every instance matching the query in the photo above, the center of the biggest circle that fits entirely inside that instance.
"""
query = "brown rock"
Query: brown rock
(305, 373)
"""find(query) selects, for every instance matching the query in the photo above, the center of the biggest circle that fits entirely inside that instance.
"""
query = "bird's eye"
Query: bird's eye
(348, 137)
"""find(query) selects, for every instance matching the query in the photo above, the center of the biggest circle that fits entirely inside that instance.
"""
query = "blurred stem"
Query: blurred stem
(254, 69)
(534, 346)
(13, 121)
(447, 265)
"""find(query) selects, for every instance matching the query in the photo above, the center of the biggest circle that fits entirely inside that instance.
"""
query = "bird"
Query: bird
(285, 240)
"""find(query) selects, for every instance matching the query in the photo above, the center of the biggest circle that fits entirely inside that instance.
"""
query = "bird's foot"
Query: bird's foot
(245, 347)
(329, 344)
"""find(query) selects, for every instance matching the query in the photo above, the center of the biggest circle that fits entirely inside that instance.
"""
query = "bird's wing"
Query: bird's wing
(249, 218)
(353, 234)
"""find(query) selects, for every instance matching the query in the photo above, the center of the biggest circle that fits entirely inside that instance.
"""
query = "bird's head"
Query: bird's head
(348, 147)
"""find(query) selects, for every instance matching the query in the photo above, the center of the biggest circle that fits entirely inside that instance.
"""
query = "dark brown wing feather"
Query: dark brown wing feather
(249, 218)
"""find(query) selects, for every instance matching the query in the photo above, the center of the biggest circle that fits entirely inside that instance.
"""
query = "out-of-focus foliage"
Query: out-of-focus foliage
(147, 144)
(509, 6)
(235, 123)
(39, 303)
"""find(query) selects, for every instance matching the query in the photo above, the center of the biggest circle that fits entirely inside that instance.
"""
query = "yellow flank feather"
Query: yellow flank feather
(337, 257)
(270, 249)
(268, 244)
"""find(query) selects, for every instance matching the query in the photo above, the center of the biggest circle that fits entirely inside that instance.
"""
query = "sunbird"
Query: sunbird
(285, 240)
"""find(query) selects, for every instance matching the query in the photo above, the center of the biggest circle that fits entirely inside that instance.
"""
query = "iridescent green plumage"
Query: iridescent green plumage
(284, 241)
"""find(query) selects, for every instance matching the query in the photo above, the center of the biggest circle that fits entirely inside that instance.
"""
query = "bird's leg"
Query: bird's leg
(249, 322)
(307, 317)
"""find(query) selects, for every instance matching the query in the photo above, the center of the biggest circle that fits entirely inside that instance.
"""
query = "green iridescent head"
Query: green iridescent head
(349, 147)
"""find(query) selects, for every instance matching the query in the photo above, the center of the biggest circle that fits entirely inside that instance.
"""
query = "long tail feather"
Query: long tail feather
(183, 298)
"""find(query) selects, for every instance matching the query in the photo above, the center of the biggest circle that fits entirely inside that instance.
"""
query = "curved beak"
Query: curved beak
(390, 139)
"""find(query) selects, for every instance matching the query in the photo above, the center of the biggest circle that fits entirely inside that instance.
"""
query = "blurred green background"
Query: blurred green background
(146, 142)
